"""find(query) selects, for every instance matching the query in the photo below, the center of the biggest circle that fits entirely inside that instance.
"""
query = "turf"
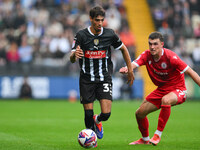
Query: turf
(54, 125)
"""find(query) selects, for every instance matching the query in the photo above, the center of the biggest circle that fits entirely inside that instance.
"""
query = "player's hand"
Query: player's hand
(123, 70)
(130, 75)
(79, 52)
(131, 78)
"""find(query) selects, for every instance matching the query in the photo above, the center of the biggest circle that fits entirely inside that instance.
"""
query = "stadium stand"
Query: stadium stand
(49, 26)
(36, 40)
(179, 21)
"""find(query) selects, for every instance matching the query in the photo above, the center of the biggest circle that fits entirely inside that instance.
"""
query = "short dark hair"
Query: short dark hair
(97, 11)
(156, 35)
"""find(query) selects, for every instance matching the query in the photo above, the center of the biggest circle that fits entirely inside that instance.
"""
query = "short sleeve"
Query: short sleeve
(141, 59)
(76, 41)
(117, 43)
(179, 64)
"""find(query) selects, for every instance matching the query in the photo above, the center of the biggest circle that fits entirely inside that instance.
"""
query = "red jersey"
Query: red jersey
(167, 73)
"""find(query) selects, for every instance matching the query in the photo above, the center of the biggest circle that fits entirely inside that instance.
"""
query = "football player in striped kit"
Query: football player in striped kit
(92, 47)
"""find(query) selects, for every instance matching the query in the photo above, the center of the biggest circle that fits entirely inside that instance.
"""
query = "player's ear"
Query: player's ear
(162, 43)
(91, 19)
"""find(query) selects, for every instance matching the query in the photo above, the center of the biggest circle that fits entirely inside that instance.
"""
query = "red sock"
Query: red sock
(143, 125)
(163, 116)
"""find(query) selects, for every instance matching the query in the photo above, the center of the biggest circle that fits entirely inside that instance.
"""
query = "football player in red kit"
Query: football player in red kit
(166, 71)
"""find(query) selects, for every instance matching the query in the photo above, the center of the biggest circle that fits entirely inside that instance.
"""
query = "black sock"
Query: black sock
(89, 122)
(103, 117)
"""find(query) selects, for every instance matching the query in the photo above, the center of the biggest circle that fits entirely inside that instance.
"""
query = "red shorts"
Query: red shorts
(156, 96)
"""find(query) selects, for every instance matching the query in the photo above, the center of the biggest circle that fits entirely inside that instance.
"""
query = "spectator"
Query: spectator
(34, 30)
(196, 54)
(194, 6)
(127, 37)
(187, 29)
(25, 54)
(166, 31)
(25, 90)
(3, 44)
(25, 51)
(113, 18)
(59, 46)
(43, 16)
(55, 28)
(129, 40)
(195, 20)
(197, 31)
(2, 57)
(12, 54)
(158, 15)
(19, 19)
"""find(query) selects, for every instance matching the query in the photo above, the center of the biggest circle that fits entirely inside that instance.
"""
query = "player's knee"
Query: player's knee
(105, 116)
(165, 101)
(139, 114)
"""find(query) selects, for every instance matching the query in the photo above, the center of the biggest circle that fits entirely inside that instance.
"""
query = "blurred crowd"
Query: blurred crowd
(40, 32)
(179, 21)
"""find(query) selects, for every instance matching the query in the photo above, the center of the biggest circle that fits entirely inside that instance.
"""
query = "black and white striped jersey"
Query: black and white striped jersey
(96, 65)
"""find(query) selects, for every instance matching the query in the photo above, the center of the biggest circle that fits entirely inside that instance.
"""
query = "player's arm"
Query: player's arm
(193, 75)
(127, 59)
(141, 60)
(78, 53)
(124, 70)
(72, 57)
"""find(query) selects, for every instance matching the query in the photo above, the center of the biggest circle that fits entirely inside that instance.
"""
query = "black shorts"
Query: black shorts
(90, 91)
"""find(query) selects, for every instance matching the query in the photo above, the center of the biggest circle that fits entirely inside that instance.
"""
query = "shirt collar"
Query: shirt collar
(93, 34)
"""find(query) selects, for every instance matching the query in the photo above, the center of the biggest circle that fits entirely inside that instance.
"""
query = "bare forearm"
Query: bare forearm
(133, 65)
(193, 75)
(73, 57)
(127, 59)
(196, 78)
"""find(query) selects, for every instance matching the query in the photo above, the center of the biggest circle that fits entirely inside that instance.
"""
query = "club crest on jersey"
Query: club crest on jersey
(96, 41)
(164, 65)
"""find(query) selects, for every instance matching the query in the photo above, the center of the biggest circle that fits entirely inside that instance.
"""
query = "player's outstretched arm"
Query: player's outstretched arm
(124, 70)
(193, 75)
(76, 54)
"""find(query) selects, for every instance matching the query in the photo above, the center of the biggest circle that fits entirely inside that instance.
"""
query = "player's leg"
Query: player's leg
(143, 123)
(170, 99)
(166, 102)
(104, 95)
(105, 110)
(88, 111)
(103, 116)
(87, 97)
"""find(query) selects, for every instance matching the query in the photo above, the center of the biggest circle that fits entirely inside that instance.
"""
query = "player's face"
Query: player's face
(155, 46)
(96, 24)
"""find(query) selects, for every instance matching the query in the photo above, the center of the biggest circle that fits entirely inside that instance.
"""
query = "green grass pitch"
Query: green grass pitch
(54, 125)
